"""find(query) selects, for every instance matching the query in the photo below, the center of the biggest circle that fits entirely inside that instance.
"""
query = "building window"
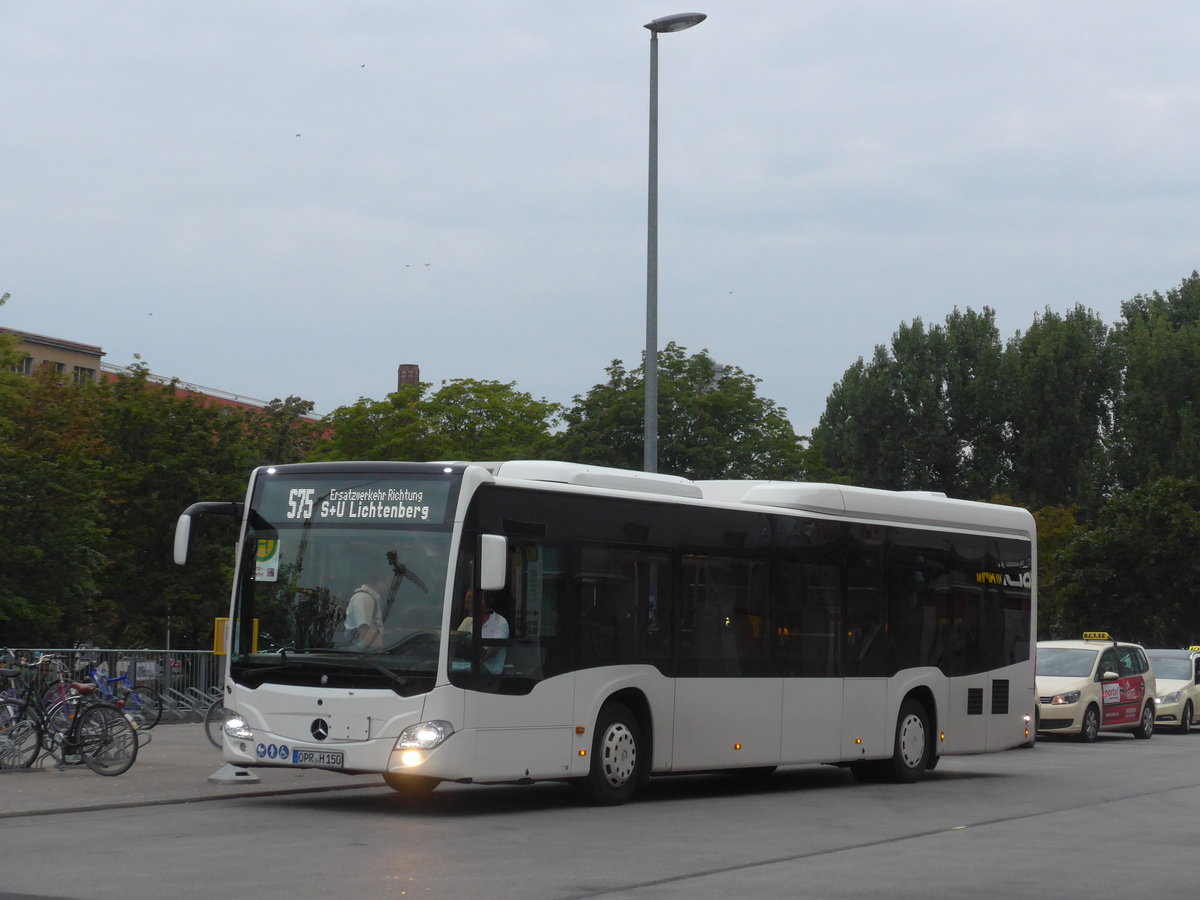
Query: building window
(83, 375)
(24, 367)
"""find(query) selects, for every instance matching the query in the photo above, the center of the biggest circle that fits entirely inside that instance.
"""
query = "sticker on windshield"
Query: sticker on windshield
(266, 559)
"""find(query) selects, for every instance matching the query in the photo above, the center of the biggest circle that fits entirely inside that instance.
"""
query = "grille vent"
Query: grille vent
(974, 701)
(1000, 697)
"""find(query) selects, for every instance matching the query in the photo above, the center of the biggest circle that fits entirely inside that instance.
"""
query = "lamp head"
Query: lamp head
(677, 22)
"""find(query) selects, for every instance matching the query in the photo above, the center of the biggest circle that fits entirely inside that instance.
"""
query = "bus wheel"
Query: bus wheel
(410, 785)
(616, 757)
(1145, 729)
(914, 743)
(1091, 725)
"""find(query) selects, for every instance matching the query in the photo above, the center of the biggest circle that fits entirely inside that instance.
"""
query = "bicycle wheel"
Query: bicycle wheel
(105, 739)
(145, 705)
(56, 693)
(20, 738)
(214, 719)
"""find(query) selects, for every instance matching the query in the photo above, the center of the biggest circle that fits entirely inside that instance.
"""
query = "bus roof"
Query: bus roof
(913, 507)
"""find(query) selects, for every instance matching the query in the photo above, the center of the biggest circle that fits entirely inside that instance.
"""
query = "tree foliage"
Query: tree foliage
(92, 478)
(1135, 572)
(464, 419)
(1062, 378)
(927, 413)
(712, 422)
(52, 537)
(1158, 412)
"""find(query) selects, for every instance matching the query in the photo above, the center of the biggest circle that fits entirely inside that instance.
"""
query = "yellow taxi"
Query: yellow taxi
(1093, 685)
(1177, 673)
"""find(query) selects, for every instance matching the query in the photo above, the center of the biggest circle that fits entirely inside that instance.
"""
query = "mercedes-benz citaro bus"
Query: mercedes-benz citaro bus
(546, 620)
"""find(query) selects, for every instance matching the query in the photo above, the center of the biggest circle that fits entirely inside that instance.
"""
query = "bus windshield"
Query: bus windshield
(343, 578)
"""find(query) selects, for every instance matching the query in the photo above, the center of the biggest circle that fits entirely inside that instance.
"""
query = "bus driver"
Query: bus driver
(493, 627)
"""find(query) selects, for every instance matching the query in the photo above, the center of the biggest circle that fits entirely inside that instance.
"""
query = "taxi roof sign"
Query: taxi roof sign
(1195, 648)
(1096, 636)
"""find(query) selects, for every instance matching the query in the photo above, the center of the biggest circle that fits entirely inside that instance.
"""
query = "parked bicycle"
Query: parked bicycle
(80, 729)
(139, 700)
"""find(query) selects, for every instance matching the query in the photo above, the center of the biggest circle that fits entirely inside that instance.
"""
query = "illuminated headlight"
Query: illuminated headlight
(416, 741)
(424, 736)
(236, 727)
(1063, 699)
(1172, 697)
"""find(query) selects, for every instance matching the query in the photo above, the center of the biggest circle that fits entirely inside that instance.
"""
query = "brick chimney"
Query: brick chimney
(407, 374)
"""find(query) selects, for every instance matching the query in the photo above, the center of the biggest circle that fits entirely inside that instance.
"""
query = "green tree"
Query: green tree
(712, 422)
(928, 413)
(1057, 527)
(165, 452)
(281, 432)
(1135, 572)
(464, 419)
(1062, 377)
(1158, 413)
(51, 535)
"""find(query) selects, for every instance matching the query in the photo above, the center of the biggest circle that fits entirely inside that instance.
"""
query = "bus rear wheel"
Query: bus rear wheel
(616, 757)
(914, 743)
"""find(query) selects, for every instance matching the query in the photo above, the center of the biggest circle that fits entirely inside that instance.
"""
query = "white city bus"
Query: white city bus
(654, 625)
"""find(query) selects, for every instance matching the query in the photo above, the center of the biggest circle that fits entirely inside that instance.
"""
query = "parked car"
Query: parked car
(1093, 685)
(1177, 673)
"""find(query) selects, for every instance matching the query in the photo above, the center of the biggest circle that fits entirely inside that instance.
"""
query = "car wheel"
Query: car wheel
(1145, 730)
(1091, 725)
(1185, 720)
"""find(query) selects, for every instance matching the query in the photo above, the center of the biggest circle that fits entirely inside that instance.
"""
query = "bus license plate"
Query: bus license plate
(329, 759)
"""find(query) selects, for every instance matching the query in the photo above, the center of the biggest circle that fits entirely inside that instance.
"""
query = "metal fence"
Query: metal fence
(187, 680)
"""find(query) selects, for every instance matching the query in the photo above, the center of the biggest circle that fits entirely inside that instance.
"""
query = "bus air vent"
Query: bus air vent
(974, 701)
(1000, 697)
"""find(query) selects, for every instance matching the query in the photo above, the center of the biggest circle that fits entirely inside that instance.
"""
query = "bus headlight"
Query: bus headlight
(424, 735)
(1063, 699)
(236, 727)
(416, 741)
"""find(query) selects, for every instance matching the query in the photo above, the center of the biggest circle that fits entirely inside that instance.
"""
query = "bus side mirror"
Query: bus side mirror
(493, 562)
(183, 527)
(183, 539)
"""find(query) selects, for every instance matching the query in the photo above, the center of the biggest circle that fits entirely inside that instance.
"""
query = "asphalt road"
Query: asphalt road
(1117, 818)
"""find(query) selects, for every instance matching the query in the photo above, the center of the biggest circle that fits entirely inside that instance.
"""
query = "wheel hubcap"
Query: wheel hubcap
(619, 754)
(912, 741)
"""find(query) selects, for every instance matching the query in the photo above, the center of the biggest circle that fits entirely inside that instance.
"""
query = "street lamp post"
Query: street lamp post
(664, 25)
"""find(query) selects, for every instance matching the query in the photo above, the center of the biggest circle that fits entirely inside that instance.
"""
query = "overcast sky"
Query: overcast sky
(277, 198)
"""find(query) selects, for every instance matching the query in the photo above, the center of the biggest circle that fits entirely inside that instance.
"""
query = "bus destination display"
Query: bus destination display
(361, 502)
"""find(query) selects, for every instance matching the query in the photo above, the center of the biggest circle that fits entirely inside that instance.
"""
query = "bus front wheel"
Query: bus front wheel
(411, 786)
(616, 757)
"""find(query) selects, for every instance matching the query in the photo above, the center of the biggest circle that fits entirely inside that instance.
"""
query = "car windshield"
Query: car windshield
(1065, 662)
(1172, 668)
